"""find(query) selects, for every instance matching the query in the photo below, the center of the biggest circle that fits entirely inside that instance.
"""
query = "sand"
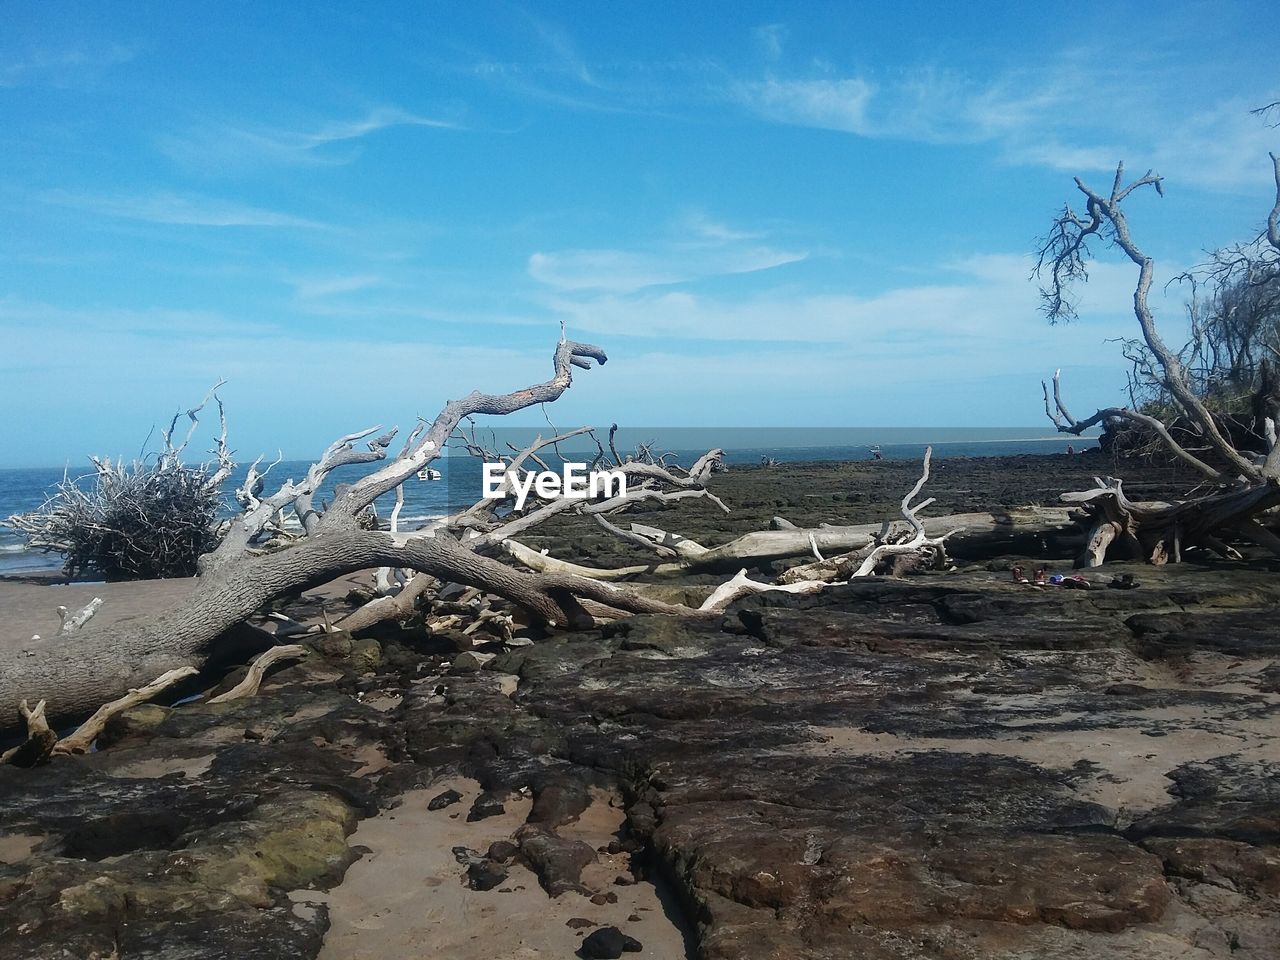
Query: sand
(28, 608)
(406, 899)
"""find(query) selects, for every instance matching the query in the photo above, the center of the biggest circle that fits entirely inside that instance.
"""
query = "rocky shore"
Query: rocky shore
(955, 765)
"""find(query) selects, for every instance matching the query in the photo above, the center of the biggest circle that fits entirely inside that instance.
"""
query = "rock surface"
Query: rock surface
(951, 766)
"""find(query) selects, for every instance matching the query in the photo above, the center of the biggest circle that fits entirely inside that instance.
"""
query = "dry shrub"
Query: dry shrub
(137, 521)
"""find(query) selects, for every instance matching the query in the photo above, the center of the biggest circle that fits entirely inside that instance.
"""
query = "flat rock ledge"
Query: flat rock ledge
(954, 766)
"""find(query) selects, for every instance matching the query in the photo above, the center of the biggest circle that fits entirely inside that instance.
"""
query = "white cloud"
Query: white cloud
(622, 271)
(61, 68)
(1066, 115)
(215, 146)
(1222, 148)
(178, 209)
(926, 104)
(979, 304)
(62, 384)
(830, 104)
(698, 225)
(838, 359)
(18, 314)
(695, 247)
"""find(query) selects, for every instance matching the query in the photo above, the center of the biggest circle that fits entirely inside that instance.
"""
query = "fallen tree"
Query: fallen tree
(787, 541)
(887, 550)
(76, 671)
(259, 560)
(1240, 483)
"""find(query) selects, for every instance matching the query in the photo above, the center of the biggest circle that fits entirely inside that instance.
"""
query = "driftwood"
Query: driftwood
(1159, 532)
(87, 732)
(870, 553)
(257, 671)
(77, 672)
(40, 741)
(763, 546)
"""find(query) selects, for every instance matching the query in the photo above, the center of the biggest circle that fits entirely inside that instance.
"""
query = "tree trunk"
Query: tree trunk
(1159, 532)
(77, 672)
(763, 546)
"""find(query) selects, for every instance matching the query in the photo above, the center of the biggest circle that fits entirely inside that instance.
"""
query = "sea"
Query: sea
(24, 489)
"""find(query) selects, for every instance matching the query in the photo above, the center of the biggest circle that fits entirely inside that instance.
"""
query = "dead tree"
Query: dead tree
(871, 553)
(1243, 483)
(76, 672)
(88, 664)
(786, 540)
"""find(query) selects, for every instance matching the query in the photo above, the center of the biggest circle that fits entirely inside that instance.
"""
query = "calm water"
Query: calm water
(22, 490)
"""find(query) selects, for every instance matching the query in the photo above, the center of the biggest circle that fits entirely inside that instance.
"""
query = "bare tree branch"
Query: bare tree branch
(1063, 252)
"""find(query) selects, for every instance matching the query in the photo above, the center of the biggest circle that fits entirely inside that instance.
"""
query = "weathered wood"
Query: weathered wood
(763, 546)
(87, 732)
(71, 622)
(766, 545)
(1164, 530)
(1097, 542)
(40, 741)
(76, 672)
(741, 585)
(252, 680)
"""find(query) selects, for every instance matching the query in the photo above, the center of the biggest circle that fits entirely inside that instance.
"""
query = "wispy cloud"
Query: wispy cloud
(928, 104)
(552, 70)
(697, 224)
(771, 37)
(700, 248)
(61, 68)
(561, 46)
(318, 288)
(218, 145)
(839, 104)
(19, 314)
(178, 209)
(1048, 116)
(974, 303)
(622, 271)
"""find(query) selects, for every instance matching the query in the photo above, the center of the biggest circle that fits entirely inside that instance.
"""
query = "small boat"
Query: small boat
(426, 473)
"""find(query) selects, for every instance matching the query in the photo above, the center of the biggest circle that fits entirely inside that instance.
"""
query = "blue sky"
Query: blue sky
(811, 213)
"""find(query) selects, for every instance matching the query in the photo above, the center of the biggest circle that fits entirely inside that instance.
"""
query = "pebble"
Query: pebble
(446, 799)
(609, 943)
(501, 851)
(471, 661)
(485, 875)
(486, 805)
